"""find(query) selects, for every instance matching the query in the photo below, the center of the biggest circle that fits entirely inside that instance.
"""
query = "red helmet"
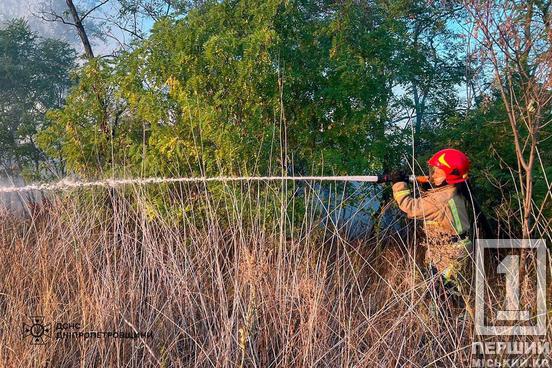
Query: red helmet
(454, 163)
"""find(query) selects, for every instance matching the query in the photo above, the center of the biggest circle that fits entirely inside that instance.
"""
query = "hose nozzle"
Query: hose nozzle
(390, 178)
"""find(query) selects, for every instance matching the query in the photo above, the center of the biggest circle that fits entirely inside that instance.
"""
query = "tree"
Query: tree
(515, 42)
(34, 77)
(235, 86)
(431, 65)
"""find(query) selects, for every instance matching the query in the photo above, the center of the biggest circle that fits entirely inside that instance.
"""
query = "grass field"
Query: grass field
(229, 276)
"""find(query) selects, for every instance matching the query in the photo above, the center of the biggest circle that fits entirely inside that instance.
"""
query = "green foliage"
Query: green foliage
(34, 76)
(80, 131)
(485, 135)
(225, 87)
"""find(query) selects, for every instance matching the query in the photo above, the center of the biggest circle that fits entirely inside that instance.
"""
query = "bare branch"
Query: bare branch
(512, 44)
(55, 17)
(94, 8)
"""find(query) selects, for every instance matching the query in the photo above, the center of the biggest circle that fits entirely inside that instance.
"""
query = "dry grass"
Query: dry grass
(237, 277)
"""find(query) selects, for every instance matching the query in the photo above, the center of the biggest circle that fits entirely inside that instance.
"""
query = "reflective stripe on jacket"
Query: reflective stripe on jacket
(442, 209)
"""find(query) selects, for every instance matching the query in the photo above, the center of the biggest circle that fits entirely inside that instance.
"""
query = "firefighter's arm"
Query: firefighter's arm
(419, 208)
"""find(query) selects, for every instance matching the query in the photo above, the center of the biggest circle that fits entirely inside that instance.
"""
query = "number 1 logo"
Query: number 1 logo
(510, 268)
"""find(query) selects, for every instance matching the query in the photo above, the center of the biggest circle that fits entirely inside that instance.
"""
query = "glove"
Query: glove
(396, 177)
(393, 177)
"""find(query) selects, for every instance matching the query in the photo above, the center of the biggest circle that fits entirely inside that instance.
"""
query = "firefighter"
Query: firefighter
(443, 209)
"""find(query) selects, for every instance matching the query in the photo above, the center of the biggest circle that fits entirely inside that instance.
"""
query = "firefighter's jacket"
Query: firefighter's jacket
(446, 221)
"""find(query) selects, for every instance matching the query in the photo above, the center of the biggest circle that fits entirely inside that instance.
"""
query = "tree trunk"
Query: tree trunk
(80, 28)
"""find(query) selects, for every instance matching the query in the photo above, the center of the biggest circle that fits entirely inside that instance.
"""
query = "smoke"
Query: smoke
(30, 11)
(34, 11)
